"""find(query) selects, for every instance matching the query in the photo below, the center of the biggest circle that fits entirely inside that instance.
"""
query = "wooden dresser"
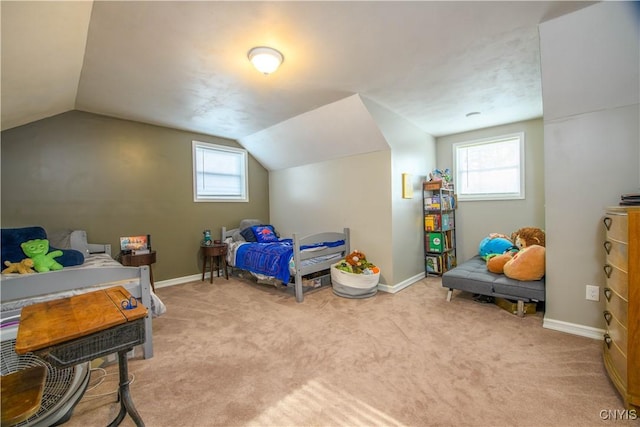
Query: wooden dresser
(622, 294)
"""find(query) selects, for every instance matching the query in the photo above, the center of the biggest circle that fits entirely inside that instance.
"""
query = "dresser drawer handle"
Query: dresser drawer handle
(607, 293)
(607, 247)
(607, 270)
(607, 340)
(607, 317)
(607, 222)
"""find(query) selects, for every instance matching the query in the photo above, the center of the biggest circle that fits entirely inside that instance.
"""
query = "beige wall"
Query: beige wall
(364, 192)
(115, 178)
(590, 79)
(476, 219)
(412, 152)
(349, 192)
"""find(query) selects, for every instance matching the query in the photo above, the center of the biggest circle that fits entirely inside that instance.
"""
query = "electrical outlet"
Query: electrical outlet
(593, 293)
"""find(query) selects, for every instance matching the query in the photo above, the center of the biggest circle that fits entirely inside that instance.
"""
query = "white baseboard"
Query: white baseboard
(179, 280)
(381, 287)
(574, 329)
(402, 285)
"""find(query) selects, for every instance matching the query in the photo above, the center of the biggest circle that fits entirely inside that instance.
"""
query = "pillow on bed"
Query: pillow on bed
(11, 238)
(247, 235)
(70, 239)
(237, 237)
(247, 223)
(264, 233)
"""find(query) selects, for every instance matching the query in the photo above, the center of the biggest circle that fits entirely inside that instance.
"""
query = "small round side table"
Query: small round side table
(215, 252)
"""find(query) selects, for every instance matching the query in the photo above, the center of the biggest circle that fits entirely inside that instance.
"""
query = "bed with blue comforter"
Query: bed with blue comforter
(285, 260)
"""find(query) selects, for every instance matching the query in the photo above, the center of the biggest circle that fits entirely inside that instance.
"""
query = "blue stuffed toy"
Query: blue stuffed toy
(494, 244)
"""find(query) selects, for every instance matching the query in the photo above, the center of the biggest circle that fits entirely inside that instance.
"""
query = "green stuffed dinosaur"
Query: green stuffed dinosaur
(37, 251)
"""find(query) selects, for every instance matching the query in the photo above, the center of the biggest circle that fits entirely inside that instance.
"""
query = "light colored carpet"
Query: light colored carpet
(234, 353)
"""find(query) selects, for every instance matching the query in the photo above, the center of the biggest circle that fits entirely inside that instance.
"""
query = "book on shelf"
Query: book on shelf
(435, 202)
(432, 222)
(433, 264)
(435, 243)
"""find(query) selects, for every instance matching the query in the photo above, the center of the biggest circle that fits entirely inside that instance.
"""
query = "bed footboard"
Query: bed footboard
(40, 286)
(302, 269)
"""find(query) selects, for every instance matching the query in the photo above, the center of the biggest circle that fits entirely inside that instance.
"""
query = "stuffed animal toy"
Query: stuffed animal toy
(528, 236)
(38, 251)
(356, 262)
(495, 263)
(23, 267)
(526, 264)
(494, 244)
(355, 258)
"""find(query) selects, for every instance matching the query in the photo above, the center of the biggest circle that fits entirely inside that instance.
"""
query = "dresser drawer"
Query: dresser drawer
(617, 280)
(616, 226)
(616, 305)
(617, 253)
(617, 361)
(617, 333)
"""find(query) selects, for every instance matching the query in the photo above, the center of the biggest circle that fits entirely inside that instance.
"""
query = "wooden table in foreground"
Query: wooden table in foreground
(77, 329)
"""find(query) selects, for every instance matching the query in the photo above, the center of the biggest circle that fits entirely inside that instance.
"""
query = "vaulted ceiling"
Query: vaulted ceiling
(184, 64)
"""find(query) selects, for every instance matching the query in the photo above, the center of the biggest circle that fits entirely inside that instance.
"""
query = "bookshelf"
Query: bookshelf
(439, 228)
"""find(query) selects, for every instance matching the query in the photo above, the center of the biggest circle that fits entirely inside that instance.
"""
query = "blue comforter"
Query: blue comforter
(272, 259)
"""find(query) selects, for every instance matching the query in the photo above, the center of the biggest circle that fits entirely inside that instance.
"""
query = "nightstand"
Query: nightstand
(216, 252)
(130, 260)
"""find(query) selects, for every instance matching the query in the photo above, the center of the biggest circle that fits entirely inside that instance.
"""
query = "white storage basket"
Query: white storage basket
(352, 285)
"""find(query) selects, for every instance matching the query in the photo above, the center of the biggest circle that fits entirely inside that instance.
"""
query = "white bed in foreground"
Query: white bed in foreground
(99, 271)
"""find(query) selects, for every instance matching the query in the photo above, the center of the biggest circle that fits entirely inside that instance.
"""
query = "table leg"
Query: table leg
(211, 274)
(124, 394)
(204, 266)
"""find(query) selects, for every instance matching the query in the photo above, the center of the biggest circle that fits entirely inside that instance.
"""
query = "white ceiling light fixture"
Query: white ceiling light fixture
(265, 59)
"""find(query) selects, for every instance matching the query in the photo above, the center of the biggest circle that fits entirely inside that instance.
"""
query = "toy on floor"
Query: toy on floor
(38, 251)
(23, 267)
(356, 262)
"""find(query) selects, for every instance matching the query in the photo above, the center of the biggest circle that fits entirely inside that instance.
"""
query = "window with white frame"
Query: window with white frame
(220, 173)
(490, 169)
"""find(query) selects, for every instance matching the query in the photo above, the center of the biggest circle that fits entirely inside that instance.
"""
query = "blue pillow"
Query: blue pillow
(11, 239)
(264, 233)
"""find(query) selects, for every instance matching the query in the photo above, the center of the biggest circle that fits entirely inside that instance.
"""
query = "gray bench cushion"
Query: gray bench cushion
(473, 276)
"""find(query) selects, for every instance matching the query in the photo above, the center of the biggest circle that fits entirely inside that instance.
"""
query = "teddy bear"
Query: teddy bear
(38, 251)
(496, 262)
(526, 264)
(23, 267)
(356, 262)
(528, 236)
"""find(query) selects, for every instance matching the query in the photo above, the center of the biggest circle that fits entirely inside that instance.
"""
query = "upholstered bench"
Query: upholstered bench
(473, 276)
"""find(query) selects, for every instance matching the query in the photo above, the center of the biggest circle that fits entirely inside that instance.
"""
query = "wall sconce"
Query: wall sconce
(407, 186)
(265, 59)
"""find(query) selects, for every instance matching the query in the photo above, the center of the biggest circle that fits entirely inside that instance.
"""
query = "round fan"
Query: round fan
(62, 390)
